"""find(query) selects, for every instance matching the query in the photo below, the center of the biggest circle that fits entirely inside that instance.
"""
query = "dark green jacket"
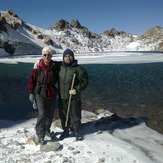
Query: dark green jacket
(65, 80)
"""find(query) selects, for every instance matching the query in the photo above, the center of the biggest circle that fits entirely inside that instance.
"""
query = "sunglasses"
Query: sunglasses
(47, 55)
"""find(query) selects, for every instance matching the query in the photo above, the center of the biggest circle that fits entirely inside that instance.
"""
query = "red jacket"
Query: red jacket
(43, 79)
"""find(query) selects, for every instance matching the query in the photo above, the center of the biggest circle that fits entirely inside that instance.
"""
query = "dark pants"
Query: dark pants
(74, 117)
(45, 115)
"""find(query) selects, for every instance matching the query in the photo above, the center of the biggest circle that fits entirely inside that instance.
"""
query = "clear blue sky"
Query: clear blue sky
(133, 16)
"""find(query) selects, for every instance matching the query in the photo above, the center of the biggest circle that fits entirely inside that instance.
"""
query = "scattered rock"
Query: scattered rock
(70, 148)
(76, 152)
(101, 160)
(23, 160)
(17, 143)
(31, 141)
(65, 159)
(98, 111)
(52, 146)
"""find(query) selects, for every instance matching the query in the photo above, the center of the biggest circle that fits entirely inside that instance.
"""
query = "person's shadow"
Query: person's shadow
(109, 124)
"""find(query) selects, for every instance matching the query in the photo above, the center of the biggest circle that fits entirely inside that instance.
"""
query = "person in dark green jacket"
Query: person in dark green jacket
(71, 118)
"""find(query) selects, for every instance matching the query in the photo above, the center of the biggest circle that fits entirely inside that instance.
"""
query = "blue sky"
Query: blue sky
(133, 16)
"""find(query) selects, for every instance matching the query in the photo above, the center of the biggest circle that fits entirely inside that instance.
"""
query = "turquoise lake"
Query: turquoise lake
(125, 89)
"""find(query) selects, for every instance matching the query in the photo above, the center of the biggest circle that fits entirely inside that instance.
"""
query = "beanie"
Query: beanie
(68, 51)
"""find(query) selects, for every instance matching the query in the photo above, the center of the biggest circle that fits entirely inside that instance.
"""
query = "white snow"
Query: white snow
(137, 144)
(116, 143)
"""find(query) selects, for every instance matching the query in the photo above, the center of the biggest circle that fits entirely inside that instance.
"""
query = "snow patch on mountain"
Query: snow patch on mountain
(19, 38)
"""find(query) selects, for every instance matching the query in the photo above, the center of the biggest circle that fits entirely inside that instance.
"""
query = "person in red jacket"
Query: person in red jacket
(42, 90)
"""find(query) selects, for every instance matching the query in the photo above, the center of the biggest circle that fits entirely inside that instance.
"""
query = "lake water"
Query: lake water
(126, 89)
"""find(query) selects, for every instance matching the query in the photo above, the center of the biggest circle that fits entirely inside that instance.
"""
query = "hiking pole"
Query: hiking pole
(69, 102)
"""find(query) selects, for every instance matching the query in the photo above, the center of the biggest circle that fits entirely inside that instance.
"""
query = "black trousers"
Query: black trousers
(46, 110)
(74, 117)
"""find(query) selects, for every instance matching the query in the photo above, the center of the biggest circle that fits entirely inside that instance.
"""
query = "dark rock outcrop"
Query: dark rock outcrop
(112, 32)
(75, 23)
(61, 25)
(9, 48)
(2, 24)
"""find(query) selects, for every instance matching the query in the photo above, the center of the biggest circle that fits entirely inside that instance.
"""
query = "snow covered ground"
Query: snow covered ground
(90, 58)
(112, 139)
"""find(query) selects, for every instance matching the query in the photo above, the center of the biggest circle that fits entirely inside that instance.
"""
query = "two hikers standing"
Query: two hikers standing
(42, 86)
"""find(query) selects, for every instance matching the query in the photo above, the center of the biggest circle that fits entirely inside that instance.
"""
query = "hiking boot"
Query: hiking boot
(64, 134)
(77, 135)
(41, 141)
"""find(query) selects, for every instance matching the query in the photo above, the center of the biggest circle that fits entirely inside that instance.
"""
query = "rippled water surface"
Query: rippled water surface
(125, 89)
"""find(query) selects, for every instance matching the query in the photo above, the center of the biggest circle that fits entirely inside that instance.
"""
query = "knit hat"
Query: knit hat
(68, 51)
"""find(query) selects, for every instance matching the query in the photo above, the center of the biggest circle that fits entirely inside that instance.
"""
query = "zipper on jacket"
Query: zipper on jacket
(65, 76)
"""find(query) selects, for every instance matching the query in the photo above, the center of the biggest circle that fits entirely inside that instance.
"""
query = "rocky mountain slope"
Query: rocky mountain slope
(18, 37)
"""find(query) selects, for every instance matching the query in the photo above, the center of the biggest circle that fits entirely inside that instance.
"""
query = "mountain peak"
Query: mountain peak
(16, 36)
(62, 25)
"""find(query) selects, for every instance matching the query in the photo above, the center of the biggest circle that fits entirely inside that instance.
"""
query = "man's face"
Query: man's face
(68, 59)
(47, 57)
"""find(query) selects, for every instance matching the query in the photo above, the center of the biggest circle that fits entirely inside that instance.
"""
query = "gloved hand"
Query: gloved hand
(72, 92)
(32, 97)
(34, 105)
